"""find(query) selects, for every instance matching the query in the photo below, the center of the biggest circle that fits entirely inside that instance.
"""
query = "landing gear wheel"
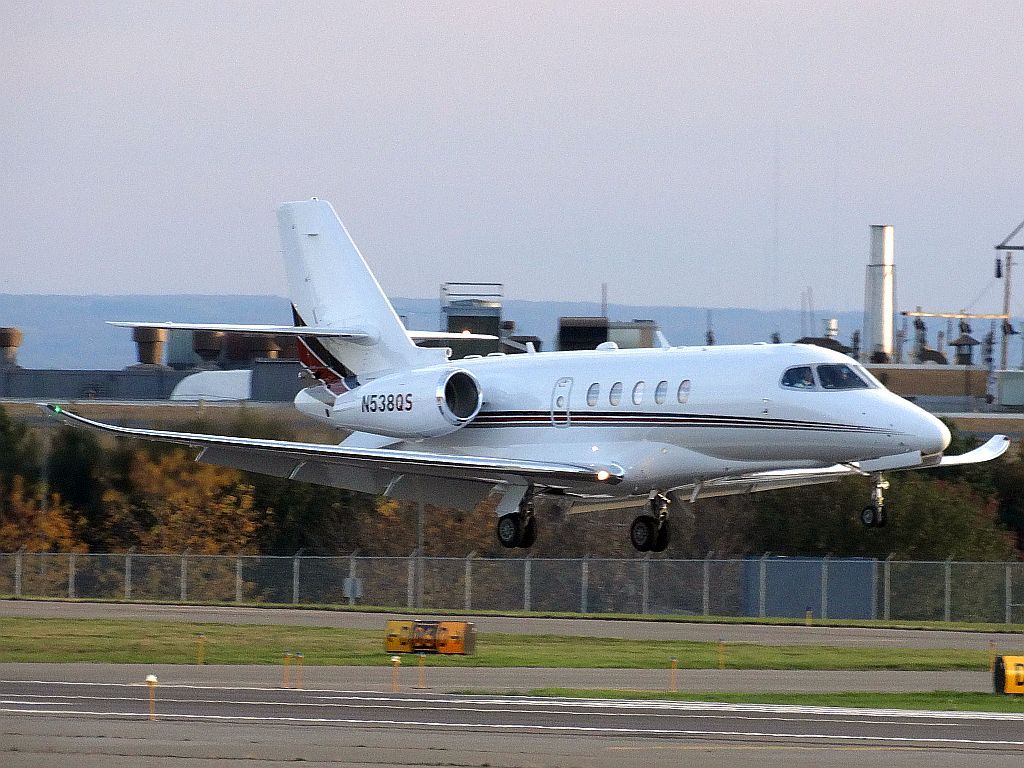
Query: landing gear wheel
(662, 537)
(882, 519)
(643, 533)
(872, 516)
(510, 530)
(529, 535)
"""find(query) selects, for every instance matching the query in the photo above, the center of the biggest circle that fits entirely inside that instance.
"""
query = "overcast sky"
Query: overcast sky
(700, 153)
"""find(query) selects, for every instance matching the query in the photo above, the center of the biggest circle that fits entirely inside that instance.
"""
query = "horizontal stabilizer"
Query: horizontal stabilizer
(444, 335)
(357, 335)
(351, 334)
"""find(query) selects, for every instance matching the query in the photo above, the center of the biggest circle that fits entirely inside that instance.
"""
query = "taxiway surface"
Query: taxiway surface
(574, 627)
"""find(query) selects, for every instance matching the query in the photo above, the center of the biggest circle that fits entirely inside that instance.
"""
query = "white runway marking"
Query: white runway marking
(565, 703)
(533, 728)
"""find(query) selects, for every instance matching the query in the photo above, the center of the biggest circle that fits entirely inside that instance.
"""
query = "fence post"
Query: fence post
(468, 582)
(352, 578)
(19, 564)
(823, 612)
(887, 588)
(527, 583)
(947, 596)
(874, 588)
(1009, 594)
(762, 584)
(584, 582)
(128, 573)
(183, 581)
(645, 580)
(71, 576)
(295, 577)
(238, 579)
(410, 586)
(705, 595)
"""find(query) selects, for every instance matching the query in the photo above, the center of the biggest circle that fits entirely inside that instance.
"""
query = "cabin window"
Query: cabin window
(615, 393)
(593, 393)
(683, 393)
(660, 391)
(638, 393)
(800, 377)
(840, 376)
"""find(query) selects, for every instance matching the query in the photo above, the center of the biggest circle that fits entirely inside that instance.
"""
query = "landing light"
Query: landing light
(603, 475)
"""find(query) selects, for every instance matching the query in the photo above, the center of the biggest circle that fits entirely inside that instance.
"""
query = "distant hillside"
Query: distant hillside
(71, 331)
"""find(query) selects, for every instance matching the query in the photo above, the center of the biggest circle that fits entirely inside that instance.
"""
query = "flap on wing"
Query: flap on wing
(445, 335)
(485, 469)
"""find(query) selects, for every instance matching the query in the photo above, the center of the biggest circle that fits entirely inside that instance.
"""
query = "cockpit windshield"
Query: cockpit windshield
(840, 376)
(799, 378)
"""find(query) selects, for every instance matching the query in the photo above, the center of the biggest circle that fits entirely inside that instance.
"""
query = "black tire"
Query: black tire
(662, 537)
(510, 530)
(643, 533)
(882, 519)
(529, 535)
(869, 516)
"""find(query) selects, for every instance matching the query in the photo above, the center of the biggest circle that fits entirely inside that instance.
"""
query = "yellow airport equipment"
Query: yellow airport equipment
(448, 637)
(398, 637)
(456, 637)
(1008, 676)
(424, 636)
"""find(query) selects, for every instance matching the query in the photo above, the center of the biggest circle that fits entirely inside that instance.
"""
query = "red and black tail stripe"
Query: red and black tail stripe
(319, 361)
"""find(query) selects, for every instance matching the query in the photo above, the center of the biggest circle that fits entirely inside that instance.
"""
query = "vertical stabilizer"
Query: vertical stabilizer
(331, 286)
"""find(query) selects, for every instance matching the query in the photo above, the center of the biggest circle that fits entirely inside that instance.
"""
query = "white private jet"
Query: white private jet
(597, 430)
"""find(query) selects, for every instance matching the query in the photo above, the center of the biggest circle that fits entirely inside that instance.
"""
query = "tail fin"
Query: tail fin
(331, 285)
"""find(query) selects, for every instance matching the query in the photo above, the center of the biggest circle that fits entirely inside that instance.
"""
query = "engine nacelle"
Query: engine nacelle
(412, 404)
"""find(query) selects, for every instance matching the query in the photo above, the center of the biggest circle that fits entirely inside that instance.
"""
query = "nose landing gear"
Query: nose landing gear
(874, 516)
(651, 532)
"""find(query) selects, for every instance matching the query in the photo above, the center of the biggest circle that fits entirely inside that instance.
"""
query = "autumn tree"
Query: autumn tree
(34, 522)
(178, 504)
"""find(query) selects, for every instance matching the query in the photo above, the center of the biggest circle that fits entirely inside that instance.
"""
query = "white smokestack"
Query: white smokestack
(878, 295)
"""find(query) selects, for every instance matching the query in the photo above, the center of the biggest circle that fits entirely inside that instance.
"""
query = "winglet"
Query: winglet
(993, 449)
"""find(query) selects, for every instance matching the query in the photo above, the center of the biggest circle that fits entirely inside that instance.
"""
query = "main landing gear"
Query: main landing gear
(873, 516)
(519, 529)
(651, 532)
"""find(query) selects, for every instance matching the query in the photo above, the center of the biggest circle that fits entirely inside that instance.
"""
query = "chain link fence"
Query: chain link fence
(764, 586)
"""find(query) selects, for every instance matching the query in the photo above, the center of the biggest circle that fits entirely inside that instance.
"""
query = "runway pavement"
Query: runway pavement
(105, 724)
(576, 627)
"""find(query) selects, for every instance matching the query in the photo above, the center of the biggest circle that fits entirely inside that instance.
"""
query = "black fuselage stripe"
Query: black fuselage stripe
(535, 418)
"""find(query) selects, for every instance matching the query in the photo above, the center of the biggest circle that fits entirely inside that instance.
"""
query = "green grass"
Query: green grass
(954, 701)
(168, 642)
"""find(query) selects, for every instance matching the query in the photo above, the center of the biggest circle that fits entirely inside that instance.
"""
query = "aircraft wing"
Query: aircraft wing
(300, 460)
(793, 478)
(358, 335)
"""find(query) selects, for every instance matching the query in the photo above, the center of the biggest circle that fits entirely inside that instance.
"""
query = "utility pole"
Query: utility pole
(1008, 250)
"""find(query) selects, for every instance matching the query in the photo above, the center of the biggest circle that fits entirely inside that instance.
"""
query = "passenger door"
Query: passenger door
(560, 402)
